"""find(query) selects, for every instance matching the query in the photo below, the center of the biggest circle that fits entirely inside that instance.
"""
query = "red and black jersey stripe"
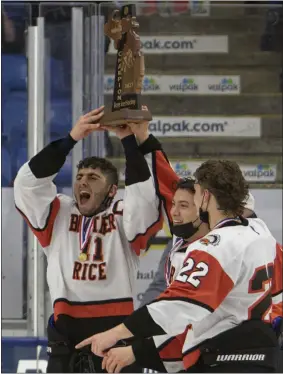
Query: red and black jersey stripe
(93, 309)
(44, 234)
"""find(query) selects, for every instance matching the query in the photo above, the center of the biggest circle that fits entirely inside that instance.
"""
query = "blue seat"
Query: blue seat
(6, 171)
(56, 136)
(14, 72)
(60, 116)
(17, 12)
(55, 68)
(64, 177)
(4, 139)
(21, 157)
(15, 114)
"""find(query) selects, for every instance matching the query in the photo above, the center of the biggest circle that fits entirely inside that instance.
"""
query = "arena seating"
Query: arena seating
(259, 71)
(6, 168)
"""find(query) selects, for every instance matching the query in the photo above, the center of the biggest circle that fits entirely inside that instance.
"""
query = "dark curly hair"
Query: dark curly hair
(186, 184)
(106, 167)
(226, 182)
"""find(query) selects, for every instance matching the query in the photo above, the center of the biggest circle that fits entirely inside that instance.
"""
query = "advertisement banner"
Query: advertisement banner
(259, 173)
(206, 126)
(185, 169)
(244, 127)
(252, 173)
(183, 85)
(160, 44)
(200, 8)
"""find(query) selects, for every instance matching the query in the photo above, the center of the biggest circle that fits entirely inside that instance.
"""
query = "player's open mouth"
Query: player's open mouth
(84, 197)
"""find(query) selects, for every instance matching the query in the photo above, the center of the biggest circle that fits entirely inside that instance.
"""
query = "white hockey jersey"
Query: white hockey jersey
(170, 347)
(225, 280)
(103, 284)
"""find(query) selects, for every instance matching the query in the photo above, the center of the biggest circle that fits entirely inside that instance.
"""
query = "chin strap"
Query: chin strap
(106, 202)
(103, 206)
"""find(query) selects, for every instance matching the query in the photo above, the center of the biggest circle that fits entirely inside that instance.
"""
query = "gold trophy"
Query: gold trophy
(129, 72)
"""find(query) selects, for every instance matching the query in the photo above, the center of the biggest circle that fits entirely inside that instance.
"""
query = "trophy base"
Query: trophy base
(124, 116)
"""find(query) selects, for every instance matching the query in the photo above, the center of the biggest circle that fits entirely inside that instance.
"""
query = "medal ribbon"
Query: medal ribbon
(85, 231)
(219, 224)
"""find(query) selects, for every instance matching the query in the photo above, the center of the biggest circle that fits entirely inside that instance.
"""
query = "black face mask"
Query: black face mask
(185, 231)
(204, 216)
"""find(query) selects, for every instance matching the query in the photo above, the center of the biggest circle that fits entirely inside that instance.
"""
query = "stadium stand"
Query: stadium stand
(257, 68)
(6, 169)
(259, 96)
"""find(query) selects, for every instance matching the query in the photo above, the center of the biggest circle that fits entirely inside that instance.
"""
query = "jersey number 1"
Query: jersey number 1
(262, 275)
(98, 250)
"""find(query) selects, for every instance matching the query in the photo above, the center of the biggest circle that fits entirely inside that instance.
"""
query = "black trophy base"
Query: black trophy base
(125, 116)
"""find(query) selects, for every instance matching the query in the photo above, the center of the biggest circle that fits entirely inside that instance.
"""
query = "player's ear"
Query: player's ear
(207, 195)
(113, 190)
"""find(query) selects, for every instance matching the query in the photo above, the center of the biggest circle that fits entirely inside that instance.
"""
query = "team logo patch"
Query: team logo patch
(210, 239)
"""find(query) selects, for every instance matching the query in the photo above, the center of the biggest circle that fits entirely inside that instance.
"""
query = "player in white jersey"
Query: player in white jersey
(164, 353)
(182, 219)
(92, 243)
(223, 290)
(170, 348)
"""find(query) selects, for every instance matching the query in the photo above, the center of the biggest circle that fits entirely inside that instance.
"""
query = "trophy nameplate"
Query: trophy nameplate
(129, 71)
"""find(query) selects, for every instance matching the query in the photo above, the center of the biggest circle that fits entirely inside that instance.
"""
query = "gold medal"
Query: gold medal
(83, 257)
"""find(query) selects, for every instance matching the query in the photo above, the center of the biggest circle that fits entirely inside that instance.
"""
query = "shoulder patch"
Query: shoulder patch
(213, 239)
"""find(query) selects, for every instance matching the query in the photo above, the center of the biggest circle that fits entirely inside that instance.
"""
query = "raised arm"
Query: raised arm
(142, 216)
(34, 191)
(165, 178)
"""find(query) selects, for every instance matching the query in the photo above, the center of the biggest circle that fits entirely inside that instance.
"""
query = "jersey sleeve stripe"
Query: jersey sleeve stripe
(186, 300)
(109, 308)
(165, 180)
(170, 350)
(191, 358)
(159, 347)
(44, 234)
(277, 293)
(140, 240)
